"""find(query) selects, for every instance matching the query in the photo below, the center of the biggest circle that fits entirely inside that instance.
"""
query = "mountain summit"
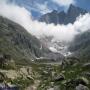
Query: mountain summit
(62, 17)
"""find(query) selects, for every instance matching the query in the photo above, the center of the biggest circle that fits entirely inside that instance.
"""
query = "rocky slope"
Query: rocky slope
(22, 46)
(38, 76)
(81, 46)
(17, 42)
(55, 45)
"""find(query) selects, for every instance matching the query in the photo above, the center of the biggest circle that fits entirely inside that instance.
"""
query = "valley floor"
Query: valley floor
(51, 76)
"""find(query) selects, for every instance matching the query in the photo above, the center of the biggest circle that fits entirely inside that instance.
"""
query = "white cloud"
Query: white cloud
(43, 8)
(39, 7)
(64, 2)
(61, 32)
(15, 13)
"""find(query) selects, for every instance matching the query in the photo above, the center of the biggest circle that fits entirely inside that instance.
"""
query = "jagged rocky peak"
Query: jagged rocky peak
(62, 13)
(72, 7)
(62, 17)
(55, 11)
(76, 10)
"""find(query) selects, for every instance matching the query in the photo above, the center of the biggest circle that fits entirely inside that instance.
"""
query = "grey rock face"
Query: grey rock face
(59, 78)
(7, 87)
(62, 17)
(81, 46)
(81, 87)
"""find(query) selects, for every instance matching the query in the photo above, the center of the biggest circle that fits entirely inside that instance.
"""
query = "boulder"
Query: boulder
(81, 87)
(59, 77)
(86, 65)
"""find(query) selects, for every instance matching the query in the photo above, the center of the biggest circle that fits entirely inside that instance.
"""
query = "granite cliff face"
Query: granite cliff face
(62, 17)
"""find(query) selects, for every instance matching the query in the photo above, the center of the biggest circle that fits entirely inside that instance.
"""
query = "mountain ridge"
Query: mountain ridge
(21, 45)
(63, 17)
(17, 42)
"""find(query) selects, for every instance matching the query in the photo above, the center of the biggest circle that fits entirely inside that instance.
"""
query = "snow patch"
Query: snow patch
(53, 49)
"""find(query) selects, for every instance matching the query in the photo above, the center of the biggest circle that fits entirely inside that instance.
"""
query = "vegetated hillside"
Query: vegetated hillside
(81, 46)
(62, 17)
(17, 42)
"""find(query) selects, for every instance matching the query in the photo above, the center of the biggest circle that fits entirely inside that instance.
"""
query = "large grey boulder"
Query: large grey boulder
(81, 87)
